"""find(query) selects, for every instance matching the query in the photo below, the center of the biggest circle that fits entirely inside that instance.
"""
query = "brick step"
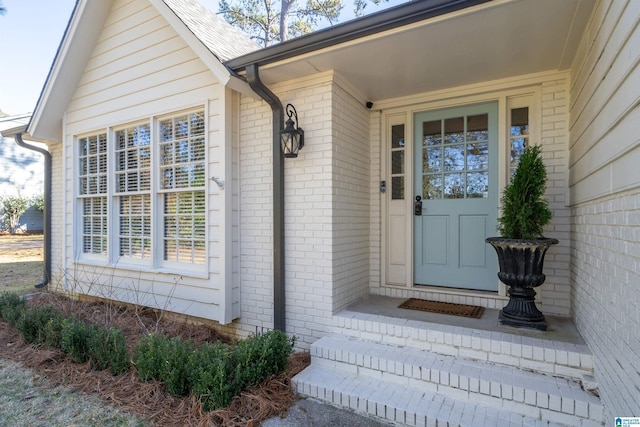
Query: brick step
(558, 358)
(503, 387)
(400, 404)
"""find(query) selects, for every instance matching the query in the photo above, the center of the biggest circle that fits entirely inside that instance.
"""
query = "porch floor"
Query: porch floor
(561, 329)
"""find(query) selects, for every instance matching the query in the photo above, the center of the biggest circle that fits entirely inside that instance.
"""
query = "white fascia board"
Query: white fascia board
(73, 54)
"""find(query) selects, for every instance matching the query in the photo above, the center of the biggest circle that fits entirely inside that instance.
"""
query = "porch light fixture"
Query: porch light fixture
(292, 138)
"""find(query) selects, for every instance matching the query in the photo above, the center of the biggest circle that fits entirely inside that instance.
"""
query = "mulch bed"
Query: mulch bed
(148, 400)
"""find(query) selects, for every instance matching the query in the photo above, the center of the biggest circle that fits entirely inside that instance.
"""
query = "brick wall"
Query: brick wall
(326, 209)
(606, 285)
(605, 198)
(556, 291)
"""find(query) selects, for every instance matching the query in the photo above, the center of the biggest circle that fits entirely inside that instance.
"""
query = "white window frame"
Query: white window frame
(82, 195)
(155, 261)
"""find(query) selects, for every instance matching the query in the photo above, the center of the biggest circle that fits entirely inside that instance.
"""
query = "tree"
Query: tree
(3, 10)
(268, 24)
(14, 207)
(38, 202)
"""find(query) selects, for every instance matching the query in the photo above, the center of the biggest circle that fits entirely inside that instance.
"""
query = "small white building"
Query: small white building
(170, 190)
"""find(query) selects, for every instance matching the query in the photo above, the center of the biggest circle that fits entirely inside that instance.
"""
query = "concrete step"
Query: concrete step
(549, 356)
(502, 387)
(403, 405)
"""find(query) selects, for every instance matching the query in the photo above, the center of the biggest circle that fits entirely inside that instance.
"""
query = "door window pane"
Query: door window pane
(432, 187)
(477, 185)
(454, 130)
(397, 162)
(455, 166)
(478, 156)
(454, 158)
(432, 132)
(519, 135)
(432, 160)
(454, 186)
(397, 188)
(397, 136)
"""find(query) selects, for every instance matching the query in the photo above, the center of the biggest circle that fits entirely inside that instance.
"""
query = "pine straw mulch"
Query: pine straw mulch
(148, 400)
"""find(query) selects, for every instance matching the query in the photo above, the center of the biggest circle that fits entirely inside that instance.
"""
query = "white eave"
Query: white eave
(75, 50)
(489, 41)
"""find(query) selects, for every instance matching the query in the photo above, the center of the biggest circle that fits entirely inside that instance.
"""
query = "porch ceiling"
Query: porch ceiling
(499, 39)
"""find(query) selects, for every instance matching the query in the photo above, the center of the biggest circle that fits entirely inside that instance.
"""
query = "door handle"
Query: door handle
(417, 206)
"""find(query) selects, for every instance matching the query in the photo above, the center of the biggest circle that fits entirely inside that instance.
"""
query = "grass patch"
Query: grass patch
(21, 262)
(27, 400)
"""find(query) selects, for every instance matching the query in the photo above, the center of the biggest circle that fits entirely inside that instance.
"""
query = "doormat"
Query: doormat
(464, 310)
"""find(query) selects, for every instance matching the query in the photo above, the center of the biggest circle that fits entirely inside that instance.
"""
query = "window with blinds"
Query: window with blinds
(133, 190)
(141, 192)
(182, 171)
(92, 189)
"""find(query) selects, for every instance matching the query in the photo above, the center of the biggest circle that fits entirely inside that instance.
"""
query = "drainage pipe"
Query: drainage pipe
(258, 87)
(46, 226)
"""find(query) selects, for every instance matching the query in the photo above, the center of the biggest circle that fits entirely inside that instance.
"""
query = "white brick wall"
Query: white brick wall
(605, 196)
(556, 291)
(351, 213)
(326, 209)
(606, 285)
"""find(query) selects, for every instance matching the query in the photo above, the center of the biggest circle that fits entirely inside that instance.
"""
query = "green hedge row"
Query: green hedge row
(105, 348)
(214, 372)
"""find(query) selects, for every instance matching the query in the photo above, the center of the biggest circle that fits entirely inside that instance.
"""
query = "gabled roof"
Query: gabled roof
(213, 40)
(222, 39)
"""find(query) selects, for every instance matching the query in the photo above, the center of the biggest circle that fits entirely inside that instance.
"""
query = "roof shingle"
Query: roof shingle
(223, 40)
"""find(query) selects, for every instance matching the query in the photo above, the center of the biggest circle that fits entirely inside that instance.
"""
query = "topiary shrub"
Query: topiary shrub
(524, 211)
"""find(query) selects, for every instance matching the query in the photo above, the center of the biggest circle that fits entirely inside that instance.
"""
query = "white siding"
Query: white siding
(605, 195)
(141, 68)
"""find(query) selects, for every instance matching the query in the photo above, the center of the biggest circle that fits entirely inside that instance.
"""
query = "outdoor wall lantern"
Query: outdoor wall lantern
(292, 137)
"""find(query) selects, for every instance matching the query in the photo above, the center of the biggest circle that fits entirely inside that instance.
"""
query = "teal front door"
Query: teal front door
(456, 187)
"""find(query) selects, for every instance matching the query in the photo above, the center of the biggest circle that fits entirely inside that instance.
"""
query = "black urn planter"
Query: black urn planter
(521, 263)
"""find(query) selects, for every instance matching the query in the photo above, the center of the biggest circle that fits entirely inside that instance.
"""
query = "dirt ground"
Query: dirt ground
(21, 262)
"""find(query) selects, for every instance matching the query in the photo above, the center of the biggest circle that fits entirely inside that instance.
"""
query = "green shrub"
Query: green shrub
(147, 357)
(525, 212)
(260, 356)
(33, 323)
(107, 349)
(11, 307)
(74, 340)
(166, 360)
(210, 376)
(215, 373)
(175, 372)
(53, 332)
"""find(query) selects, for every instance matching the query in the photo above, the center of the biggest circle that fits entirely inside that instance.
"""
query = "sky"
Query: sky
(30, 33)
